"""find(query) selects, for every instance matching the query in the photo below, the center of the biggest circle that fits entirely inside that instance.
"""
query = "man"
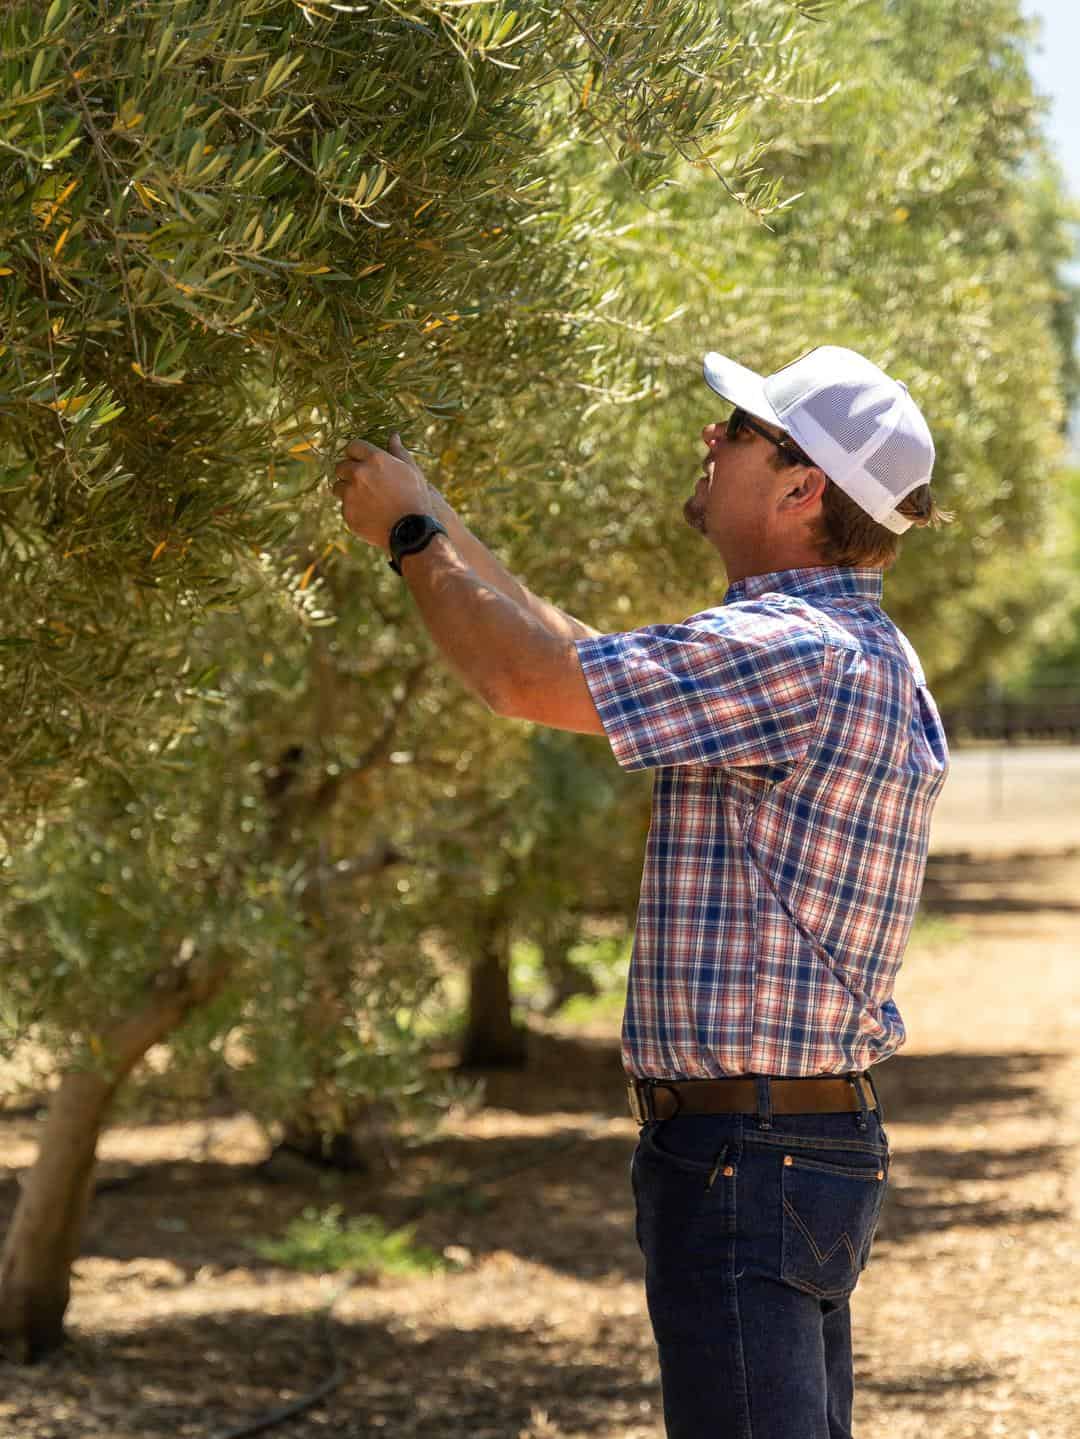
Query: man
(797, 755)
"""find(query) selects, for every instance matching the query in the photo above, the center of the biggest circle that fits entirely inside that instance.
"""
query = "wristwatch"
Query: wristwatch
(411, 534)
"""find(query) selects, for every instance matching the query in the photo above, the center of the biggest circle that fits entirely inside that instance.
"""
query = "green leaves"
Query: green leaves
(293, 219)
(933, 245)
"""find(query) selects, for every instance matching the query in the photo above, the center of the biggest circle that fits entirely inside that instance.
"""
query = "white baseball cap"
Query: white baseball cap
(862, 428)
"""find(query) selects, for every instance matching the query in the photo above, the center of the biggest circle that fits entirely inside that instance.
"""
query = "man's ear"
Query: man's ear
(803, 492)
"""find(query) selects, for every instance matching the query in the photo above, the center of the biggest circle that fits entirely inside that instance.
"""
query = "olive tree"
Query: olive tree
(930, 234)
(232, 234)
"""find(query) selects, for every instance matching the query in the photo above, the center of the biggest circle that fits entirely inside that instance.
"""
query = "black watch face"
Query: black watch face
(409, 528)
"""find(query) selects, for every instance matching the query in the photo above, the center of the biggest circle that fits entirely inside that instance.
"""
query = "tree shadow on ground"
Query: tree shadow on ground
(563, 1201)
(559, 1195)
(565, 1074)
(936, 1187)
(206, 1374)
(957, 1088)
(923, 1385)
(960, 883)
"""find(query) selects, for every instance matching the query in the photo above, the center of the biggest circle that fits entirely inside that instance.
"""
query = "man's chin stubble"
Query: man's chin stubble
(693, 517)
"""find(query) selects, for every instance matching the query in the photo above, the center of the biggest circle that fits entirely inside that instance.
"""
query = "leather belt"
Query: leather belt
(664, 1098)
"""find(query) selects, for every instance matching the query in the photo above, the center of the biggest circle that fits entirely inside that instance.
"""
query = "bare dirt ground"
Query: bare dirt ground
(1001, 799)
(967, 1321)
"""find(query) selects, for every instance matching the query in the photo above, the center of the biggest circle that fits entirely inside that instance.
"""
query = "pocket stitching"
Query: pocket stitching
(800, 1161)
(788, 1272)
(823, 1259)
(795, 1142)
(691, 1166)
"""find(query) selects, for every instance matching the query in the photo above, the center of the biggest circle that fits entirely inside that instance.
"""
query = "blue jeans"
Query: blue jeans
(755, 1230)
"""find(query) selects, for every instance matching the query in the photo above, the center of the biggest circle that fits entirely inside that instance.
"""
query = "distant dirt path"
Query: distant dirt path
(967, 1319)
(969, 1313)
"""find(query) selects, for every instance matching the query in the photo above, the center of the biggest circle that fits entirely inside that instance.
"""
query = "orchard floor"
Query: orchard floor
(967, 1320)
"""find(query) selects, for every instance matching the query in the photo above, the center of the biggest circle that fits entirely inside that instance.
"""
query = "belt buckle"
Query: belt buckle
(641, 1094)
(639, 1105)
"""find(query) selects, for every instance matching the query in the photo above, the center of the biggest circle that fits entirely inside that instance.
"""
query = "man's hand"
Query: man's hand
(376, 487)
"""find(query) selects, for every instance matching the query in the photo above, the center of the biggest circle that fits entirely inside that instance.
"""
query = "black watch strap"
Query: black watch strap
(411, 534)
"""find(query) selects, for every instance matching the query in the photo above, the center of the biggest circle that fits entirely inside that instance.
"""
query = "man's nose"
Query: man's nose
(711, 433)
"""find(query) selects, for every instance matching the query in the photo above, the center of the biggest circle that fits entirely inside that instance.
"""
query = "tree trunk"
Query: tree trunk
(564, 976)
(340, 1137)
(324, 1125)
(492, 1040)
(46, 1229)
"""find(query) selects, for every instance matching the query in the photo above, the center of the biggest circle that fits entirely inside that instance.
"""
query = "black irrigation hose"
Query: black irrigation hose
(277, 1416)
(542, 1152)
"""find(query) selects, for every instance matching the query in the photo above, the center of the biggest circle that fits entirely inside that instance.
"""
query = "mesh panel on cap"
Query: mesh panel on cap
(895, 464)
(832, 408)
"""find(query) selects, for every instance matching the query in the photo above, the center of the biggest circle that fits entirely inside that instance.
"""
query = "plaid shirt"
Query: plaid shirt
(797, 756)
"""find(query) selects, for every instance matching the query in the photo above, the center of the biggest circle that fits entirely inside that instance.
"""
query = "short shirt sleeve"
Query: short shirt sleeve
(740, 685)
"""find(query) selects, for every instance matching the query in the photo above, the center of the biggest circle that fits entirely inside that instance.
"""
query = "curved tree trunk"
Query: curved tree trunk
(44, 1237)
(492, 1039)
(45, 1234)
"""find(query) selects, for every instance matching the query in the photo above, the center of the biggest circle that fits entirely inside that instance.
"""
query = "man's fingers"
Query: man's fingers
(350, 469)
(398, 450)
(359, 449)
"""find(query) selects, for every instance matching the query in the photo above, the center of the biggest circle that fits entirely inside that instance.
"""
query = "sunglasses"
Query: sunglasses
(740, 420)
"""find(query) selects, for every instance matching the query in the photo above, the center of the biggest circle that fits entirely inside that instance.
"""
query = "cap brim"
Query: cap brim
(744, 388)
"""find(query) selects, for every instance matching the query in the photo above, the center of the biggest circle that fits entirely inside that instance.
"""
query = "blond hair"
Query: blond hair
(846, 535)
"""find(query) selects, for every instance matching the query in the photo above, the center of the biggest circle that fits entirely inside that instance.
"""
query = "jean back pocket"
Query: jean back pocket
(830, 1212)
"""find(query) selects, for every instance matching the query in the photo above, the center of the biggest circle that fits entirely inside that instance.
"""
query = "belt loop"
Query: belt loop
(864, 1114)
(764, 1101)
(877, 1097)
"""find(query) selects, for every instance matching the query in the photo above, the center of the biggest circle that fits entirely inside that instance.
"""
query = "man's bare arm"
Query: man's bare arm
(519, 667)
(480, 559)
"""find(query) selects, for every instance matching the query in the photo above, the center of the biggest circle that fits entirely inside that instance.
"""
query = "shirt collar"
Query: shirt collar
(831, 581)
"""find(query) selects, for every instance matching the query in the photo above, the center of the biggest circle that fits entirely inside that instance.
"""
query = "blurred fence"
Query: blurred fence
(1050, 715)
